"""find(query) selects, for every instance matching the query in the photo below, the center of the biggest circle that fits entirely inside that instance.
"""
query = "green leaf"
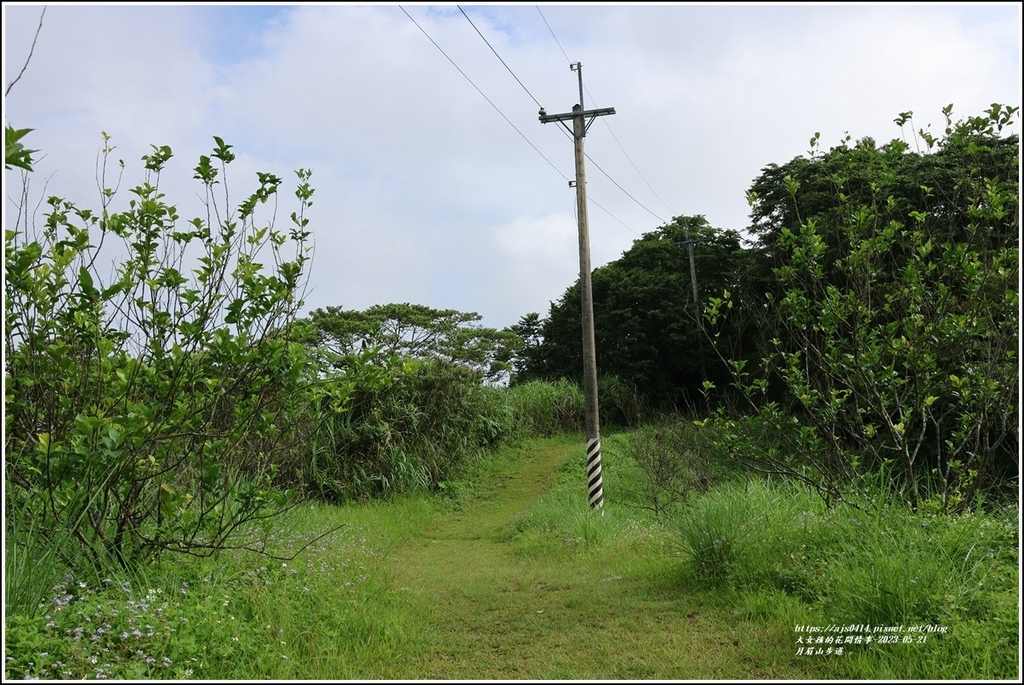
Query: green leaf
(85, 280)
(16, 154)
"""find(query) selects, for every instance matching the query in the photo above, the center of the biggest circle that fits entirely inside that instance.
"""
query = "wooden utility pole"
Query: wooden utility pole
(698, 316)
(581, 120)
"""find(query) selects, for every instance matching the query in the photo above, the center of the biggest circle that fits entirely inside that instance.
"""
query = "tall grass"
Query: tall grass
(773, 552)
(888, 568)
(36, 559)
(31, 563)
(762, 556)
(410, 432)
(543, 409)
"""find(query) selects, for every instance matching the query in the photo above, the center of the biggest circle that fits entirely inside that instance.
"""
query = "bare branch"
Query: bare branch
(31, 50)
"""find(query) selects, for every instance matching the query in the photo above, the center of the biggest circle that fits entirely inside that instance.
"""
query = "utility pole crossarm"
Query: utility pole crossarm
(548, 118)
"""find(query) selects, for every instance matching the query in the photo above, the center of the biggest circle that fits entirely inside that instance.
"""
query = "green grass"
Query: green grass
(508, 574)
(525, 581)
(789, 561)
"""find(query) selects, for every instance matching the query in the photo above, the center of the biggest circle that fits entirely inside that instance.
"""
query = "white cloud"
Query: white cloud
(424, 193)
(537, 258)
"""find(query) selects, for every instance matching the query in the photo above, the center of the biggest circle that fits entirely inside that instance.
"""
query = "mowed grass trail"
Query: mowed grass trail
(524, 582)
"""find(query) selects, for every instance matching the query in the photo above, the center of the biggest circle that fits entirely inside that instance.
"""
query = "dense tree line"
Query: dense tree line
(874, 311)
(648, 333)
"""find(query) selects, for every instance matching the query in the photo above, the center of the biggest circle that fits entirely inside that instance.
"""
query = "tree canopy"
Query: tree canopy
(412, 331)
(645, 319)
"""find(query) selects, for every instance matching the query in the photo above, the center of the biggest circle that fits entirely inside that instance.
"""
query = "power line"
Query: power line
(550, 163)
(537, 102)
(553, 35)
(595, 203)
(484, 38)
(484, 96)
(624, 190)
(639, 173)
(498, 56)
(635, 168)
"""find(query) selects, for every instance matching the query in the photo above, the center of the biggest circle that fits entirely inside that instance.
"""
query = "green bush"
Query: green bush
(892, 321)
(674, 465)
(149, 399)
(407, 424)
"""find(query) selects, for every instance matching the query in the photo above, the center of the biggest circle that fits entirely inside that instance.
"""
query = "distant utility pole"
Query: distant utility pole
(595, 492)
(696, 301)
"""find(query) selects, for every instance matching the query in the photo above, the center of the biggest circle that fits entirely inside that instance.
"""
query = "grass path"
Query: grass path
(489, 607)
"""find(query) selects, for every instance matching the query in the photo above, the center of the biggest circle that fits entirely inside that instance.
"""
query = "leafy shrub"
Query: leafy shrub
(893, 321)
(675, 464)
(149, 403)
(407, 424)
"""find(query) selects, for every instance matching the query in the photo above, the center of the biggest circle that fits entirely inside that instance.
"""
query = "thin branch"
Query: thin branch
(31, 50)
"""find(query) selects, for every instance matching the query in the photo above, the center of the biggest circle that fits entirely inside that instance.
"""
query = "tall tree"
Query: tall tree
(646, 324)
(524, 358)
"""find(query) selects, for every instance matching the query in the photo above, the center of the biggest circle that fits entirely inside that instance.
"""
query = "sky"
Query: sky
(435, 182)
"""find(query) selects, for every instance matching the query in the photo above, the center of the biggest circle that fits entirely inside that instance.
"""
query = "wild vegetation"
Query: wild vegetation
(870, 331)
(201, 481)
(510, 575)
